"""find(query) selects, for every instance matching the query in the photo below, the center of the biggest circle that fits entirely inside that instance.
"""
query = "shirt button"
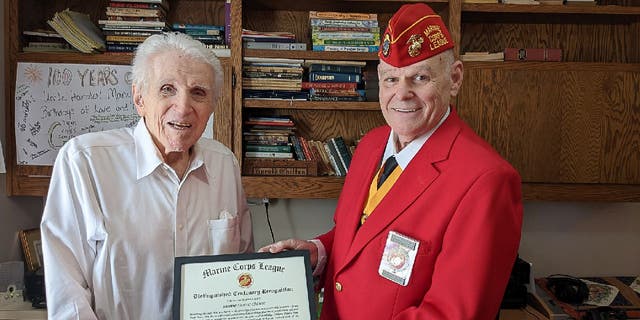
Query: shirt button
(180, 226)
(338, 286)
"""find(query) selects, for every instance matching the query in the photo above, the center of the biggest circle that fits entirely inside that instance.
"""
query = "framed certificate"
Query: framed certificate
(252, 286)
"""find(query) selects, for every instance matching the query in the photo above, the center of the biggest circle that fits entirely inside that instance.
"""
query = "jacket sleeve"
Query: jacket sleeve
(479, 248)
(68, 249)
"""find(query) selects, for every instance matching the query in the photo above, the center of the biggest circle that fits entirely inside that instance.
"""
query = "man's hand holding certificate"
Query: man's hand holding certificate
(244, 286)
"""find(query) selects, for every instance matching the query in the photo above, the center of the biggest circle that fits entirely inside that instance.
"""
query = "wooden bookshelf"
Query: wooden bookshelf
(571, 128)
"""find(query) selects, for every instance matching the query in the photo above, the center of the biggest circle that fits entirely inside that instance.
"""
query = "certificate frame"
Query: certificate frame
(221, 286)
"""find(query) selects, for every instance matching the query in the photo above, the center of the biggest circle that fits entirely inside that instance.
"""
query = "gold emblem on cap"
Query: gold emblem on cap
(415, 45)
(386, 43)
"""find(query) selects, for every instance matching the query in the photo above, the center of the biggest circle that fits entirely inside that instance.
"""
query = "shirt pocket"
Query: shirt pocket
(224, 235)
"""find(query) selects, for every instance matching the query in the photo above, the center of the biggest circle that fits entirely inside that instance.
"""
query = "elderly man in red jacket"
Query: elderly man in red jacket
(437, 238)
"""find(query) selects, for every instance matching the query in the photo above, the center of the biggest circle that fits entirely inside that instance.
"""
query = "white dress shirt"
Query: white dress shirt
(116, 216)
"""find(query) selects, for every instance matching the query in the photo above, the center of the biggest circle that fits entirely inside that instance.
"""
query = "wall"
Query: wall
(558, 237)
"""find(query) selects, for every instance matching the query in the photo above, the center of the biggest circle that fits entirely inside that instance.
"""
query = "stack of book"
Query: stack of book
(349, 32)
(334, 80)
(268, 137)
(78, 30)
(39, 40)
(213, 36)
(130, 22)
(279, 40)
(272, 78)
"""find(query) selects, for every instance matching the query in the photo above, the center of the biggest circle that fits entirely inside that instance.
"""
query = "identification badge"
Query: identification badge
(398, 258)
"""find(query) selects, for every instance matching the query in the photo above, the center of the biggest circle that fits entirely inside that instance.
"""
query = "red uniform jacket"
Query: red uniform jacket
(459, 198)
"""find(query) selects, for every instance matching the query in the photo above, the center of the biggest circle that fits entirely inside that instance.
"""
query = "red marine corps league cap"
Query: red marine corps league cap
(414, 33)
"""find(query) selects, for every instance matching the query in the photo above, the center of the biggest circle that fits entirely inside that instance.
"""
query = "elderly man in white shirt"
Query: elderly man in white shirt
(124, 203)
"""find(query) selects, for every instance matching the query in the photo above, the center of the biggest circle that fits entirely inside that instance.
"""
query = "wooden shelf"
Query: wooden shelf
(310, 105)
(559, 9)
(319, 55)
(71, 57)
(330, 187)
(292, 187)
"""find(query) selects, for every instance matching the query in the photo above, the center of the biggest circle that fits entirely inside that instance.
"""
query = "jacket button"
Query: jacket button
(338, 286)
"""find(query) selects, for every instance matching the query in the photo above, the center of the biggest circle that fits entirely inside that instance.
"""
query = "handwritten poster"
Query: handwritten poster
(55, 102)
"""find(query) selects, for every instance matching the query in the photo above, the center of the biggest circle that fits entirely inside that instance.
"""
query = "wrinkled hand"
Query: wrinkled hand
(293, 244)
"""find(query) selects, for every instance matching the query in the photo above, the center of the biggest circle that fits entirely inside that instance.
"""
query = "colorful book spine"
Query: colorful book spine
(343, 151)
(319, 76)
(275, 45)
(335, 161)
(134, 5)
(297, 148)
(334, 48)
(315, 29)
(263, 154)
(343, 23)
(306, 85)
(346, 36)
(268, 148)
(203, 32)
(346, 42)
(334, 68)
(184, 26)
(342, 15)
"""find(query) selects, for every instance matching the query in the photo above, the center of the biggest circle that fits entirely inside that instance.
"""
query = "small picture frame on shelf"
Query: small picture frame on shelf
(32, 248)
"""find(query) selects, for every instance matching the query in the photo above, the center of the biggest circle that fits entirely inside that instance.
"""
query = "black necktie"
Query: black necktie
(387, 168)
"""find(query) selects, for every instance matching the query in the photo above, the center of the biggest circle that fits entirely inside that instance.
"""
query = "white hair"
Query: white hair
(160, 43)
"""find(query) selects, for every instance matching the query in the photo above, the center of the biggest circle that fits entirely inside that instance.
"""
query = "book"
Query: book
(279, 167)
(320, 76)
(163, 3)
(132, 24)
(334, 160)
(342, 29)
(268, 154)
(532, 54)
(274, 45)
(78, 29)
(336, 48)
(306, 85)
(342, 15)
(267, 148)
(177, 26)
(309, 62)
(297, 147)
(227, 21)
(482, 56)
(343, 23)
(135, 12)
(345, 35)
(343, 152)
(334, 68)
(141, 5)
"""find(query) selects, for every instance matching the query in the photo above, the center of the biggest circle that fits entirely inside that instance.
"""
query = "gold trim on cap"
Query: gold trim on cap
(394, 40)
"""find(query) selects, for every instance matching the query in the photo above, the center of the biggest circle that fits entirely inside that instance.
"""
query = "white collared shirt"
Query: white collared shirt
(116, 216)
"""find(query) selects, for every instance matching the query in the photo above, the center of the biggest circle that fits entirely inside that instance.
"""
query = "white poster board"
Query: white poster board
(55, 102)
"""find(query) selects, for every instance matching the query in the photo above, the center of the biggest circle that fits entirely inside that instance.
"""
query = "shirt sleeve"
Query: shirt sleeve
(68, 256)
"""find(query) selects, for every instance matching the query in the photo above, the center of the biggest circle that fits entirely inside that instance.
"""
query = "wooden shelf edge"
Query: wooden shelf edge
(292, 187)
(330, 187)
(306, 54)
(56, 57)
(560, 9)
(581, 192)
(553, 66)
(310, 105)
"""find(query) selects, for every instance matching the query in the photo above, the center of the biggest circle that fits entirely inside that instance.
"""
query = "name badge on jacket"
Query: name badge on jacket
(398, 258)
